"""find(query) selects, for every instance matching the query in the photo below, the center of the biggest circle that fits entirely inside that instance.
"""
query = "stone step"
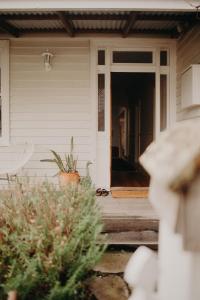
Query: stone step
(122, 224)
(113, 262)
(136, 238)
(109, 287)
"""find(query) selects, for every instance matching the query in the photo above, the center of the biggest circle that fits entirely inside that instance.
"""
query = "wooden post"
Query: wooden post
(173, 163)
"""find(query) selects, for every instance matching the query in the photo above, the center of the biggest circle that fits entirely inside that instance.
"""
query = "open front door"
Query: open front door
(132, 124)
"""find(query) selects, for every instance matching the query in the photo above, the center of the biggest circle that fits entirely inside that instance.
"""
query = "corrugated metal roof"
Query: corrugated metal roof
(99, 12)
(39, 24)
(49, 20)
(157, 25)
(74, 12)
(98, 24)
(32, 12)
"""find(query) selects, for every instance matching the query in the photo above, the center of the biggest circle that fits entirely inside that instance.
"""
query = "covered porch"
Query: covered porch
(47, 108)
(74, 98)
(110, 75)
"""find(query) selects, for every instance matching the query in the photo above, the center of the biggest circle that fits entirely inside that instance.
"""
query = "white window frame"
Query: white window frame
(134, 49)
(4, 64)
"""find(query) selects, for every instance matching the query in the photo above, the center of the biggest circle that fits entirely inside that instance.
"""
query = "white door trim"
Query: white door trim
(102, 160)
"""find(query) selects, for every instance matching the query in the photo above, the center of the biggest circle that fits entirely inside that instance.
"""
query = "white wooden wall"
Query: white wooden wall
(188, 52)
(47, 108)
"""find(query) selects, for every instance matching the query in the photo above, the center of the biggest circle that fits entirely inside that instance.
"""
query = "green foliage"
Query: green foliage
(48, 240)
(70, 163)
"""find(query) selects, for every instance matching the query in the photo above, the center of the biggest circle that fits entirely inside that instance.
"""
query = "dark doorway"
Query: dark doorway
(132, 126)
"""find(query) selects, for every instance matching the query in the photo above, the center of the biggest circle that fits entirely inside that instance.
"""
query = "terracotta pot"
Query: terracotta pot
(66, 178)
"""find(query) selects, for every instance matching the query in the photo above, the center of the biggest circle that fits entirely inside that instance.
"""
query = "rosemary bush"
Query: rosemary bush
(48, 240)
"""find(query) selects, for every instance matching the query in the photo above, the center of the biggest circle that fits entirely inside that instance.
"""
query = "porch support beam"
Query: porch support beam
(8, 28)
(67, 24)
(131, 32)
(166, 33)
(129, 24)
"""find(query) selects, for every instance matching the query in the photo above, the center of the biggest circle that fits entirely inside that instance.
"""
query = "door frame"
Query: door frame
(101, 141)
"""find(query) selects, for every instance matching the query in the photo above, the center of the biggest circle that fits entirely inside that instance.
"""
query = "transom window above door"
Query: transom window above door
(133, 57)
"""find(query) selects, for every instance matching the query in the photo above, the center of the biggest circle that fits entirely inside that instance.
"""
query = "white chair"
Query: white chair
(16, 158)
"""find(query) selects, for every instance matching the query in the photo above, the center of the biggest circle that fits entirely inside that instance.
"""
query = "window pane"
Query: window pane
(101, 102)
(163, 102)
(101, 57)
(132, 57)
(163, 58)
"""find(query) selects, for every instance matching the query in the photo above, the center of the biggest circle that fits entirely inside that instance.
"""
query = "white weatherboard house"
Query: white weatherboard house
(122, 72)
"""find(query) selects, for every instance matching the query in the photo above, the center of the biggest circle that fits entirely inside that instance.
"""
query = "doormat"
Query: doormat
(136, 192)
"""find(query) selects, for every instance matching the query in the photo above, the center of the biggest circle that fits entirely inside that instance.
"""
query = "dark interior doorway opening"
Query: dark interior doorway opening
(132, 109)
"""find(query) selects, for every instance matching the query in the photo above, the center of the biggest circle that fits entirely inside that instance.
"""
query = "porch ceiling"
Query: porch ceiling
(73, 23)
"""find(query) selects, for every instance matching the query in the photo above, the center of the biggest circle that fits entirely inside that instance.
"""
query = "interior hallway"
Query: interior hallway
(132, 126)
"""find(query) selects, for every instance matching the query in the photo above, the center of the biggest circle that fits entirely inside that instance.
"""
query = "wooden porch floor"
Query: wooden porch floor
(129, 221)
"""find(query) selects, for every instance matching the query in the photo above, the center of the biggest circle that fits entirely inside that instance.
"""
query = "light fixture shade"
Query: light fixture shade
(47, 60)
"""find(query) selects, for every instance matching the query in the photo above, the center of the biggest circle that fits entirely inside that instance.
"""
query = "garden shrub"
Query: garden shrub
(48, 240)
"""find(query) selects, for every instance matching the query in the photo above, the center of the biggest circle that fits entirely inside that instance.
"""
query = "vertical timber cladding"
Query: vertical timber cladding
(47, 108)
(188, 53)
(162, 67)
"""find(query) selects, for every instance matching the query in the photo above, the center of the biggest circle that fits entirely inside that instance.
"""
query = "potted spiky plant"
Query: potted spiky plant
(67, 168)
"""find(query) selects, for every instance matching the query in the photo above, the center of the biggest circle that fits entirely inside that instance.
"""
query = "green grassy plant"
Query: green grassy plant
(48, 240)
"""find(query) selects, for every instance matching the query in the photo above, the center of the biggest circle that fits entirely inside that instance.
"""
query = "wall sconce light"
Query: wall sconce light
(47, 60)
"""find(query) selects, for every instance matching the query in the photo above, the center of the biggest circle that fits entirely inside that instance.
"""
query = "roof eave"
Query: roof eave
(146, 5)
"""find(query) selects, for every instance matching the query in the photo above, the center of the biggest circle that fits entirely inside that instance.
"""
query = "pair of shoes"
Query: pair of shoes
(102, 192)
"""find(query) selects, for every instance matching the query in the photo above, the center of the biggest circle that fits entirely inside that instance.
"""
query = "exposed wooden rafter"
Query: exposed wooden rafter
(129, 24)
(67, 24)
(8, 28)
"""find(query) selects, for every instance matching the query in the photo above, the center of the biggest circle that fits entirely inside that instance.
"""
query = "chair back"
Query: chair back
(14, 157)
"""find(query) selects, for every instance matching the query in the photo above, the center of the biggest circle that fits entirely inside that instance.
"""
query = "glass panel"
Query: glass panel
(132, 57)
(163, 58)
(163, 102)
(101, 102)
(101, 57)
